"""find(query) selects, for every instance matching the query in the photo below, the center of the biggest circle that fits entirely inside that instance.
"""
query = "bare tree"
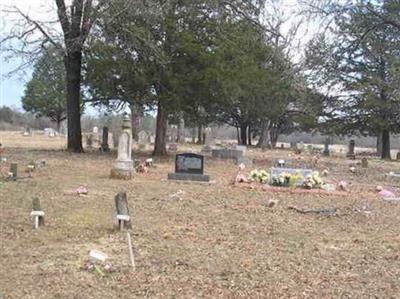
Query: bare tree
(28, 36)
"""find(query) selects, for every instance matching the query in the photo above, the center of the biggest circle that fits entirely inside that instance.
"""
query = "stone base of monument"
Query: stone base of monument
(189, 177)
(122, 170)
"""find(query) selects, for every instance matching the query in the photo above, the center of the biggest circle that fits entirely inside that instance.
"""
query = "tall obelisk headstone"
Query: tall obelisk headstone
(123, 167)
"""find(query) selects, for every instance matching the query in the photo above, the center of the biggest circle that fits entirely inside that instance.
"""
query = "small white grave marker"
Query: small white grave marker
(97, 256)
(36, 215)
(122, 219)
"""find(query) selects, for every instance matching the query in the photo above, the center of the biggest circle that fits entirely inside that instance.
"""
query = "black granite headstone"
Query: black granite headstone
(189, 167)
(189, 163)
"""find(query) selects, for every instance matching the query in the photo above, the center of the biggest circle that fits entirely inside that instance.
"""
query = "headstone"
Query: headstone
(37, 208)
(226, 153)
(326, 147)
(121, 205)
(143, 137)
(95, 130)
(398, 156)
(242, 148)
(350, 154)
(189, 167)
(173, 147)
(364, 163)
(14, 171)
(282, 146)
(123, 167)
(276, 172)
(104, 144)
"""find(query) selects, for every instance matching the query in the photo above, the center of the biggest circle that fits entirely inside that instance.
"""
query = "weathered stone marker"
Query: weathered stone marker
(226, 153)
(14, 171)
(326, 151)
(189, 167)
(104, 144)
(364, 163)
(350, 153)
(123, 167)
(121, 204)
(37, 214)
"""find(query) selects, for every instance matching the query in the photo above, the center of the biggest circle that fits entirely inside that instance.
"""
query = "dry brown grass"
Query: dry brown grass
(216, 241)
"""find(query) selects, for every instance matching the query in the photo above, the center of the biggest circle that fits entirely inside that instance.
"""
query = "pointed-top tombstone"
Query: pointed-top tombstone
(123, 167)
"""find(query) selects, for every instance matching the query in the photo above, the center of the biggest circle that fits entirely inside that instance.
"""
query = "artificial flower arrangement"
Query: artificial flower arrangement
(260, 176)
(286, 179)
(313, 181)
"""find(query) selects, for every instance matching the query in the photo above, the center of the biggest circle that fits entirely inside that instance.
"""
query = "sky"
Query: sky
(12, 88)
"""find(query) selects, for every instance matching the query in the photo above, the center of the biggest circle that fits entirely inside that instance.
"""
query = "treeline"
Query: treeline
(12, 120)
(201, 63)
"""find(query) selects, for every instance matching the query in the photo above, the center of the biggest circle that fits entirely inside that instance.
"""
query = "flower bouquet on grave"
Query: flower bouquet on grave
(260, 176)
(281, 180)
(313, 181)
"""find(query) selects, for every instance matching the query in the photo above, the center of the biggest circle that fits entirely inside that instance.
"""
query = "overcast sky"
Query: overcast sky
(12, 88)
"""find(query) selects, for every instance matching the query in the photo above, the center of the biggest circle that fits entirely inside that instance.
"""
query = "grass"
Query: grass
(214, 241)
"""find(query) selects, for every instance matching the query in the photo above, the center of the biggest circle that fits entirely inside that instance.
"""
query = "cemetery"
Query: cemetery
(200, 149)
(251, 232)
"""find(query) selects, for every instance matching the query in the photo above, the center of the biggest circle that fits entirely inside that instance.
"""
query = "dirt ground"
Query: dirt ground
(208, 241)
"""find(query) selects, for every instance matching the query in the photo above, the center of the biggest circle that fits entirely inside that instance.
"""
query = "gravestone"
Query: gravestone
(104, 144)
(350, 154)
(121, 205)
(173, 147)
(123, 167)
(398, 156)
(95, 130)
(226, 153)
(364, 162)
(36, 209)
(14, 171)
(143, 137)
(326, 151)
(242, 148)
(189, 167)
(276, 172)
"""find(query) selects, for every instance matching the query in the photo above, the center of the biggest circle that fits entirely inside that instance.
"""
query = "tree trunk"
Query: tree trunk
(160, 148)
(135, 115)
(238, 135)
(243, 134)
(264, 136)
(180, 137)
(199, 134)
(386, 145)
(58, 125)
(379, 144)
(73, 62)
(249, 136)
(274, 134)
(194, 135)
